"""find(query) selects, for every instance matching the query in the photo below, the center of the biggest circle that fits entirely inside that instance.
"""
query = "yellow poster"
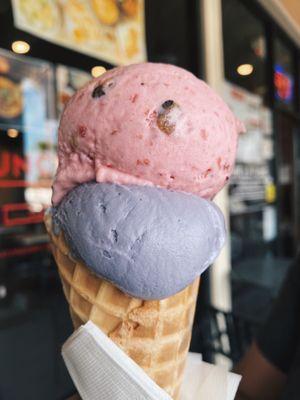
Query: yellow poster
(110, 30)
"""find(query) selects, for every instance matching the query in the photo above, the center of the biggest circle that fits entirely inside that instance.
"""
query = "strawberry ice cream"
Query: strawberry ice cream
(147, 124)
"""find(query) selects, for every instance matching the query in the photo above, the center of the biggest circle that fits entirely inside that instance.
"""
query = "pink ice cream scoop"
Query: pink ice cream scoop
(147, 124)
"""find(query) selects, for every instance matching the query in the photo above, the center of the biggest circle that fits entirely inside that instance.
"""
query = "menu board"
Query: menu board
(252, 184)
(110, 30)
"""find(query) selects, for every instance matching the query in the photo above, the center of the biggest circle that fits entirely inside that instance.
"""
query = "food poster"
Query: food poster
(11, 101)
(68, 81)
(110, 30)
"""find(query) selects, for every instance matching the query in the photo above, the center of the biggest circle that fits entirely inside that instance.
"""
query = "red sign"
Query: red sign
(12, 164)
(20, 214)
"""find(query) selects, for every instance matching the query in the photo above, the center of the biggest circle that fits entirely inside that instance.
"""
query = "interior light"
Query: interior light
(245, 69)
(20, 47)
(3, 291)
(97, 71)
(12, 133)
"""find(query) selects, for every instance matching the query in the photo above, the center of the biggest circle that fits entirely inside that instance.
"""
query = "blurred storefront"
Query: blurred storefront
(239, 48)
(254, 65)
(264, 194)
(262, 85)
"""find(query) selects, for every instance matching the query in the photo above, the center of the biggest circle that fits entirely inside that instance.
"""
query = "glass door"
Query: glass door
(288, 179)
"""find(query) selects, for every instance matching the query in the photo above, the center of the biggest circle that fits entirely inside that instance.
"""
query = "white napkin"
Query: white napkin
(102, 371)
(207, 381)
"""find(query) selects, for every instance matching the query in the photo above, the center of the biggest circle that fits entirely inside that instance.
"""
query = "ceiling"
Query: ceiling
(287, 15)
(293, 9)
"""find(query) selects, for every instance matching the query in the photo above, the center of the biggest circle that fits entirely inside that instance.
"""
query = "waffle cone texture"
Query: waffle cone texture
(155, 334)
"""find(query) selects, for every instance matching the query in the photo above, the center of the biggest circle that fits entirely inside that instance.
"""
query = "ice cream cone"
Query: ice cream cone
(155, 334)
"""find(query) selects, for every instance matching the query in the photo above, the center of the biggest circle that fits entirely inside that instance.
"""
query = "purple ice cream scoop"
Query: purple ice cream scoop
(149, 242)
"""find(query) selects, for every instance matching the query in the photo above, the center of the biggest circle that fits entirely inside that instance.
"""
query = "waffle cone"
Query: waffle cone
(155, 334)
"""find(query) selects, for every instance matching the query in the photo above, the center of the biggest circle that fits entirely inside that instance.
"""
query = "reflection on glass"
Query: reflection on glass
(68, 80)
(27, 158)
(245, 52)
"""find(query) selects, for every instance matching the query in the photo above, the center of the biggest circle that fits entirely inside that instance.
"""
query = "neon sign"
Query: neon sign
(12, 163)
(284, 85)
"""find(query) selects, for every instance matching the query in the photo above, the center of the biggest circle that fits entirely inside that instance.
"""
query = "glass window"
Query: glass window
(244, 48)
(284, 79)
(172, 31)
(252, 188)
